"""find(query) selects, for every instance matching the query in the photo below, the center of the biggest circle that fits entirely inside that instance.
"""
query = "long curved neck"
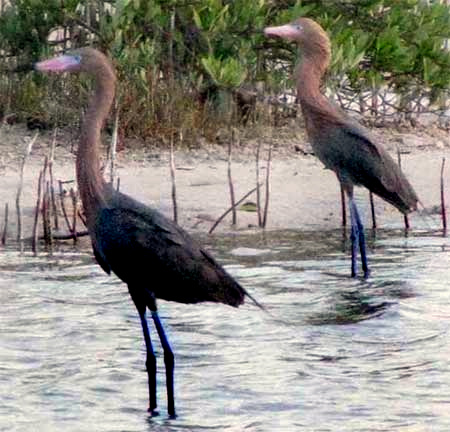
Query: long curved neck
(91, 184)
(315, 106)
(309, 77)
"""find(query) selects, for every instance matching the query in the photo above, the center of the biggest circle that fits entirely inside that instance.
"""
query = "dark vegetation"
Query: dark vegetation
(195, 66)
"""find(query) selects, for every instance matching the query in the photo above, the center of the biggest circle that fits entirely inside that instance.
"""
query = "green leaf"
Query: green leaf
(228, 73)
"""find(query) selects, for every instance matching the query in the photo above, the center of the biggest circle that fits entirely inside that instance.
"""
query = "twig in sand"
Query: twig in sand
(44, 211)
(36, 214)
(258, 192)
(5, 226)
(405, 216)
(52, 188)
(231, 208)
(63, 208)
(70, 236)
(41, 186)
(82, 218)
(74, 197)
(46, 218)
(172, 177)
(267, 194)
(230, 179)
(443, 209)
(19, 189)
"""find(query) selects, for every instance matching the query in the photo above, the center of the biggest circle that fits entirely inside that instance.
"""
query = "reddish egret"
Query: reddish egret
(343, 145)
(147, 251)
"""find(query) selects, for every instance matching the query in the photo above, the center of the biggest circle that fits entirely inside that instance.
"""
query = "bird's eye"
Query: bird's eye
(77, 58)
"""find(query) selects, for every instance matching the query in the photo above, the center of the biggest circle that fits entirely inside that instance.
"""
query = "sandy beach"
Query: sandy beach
(303, 195)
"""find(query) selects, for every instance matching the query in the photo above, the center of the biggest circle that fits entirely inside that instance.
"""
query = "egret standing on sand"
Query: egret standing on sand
(149, 252)
(343, 145)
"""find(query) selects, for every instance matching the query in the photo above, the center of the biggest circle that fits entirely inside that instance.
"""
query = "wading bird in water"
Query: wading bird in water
(342, 144)
(147, 251)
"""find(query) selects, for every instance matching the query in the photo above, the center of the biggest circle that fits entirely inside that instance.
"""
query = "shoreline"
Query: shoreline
(303, 195)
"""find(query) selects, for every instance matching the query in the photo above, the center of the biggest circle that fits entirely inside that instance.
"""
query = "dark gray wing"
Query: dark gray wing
(144, 248)
(350, 151)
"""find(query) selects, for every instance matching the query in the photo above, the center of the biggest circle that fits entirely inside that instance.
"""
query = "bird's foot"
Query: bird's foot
(366, 274)
(172, 416)
(153, 412)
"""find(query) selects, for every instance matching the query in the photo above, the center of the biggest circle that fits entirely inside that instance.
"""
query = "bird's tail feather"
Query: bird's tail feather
(255, 302)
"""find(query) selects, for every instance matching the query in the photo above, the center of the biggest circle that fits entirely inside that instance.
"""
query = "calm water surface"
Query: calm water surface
(335, 354)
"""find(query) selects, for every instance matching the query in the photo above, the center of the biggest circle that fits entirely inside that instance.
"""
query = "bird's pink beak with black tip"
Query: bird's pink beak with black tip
(58, 64)
(287, 31)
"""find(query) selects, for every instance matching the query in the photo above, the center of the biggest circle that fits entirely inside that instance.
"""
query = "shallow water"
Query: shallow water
(336, 354)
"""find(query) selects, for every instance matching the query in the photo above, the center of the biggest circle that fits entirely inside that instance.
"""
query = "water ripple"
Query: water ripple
(334, 353)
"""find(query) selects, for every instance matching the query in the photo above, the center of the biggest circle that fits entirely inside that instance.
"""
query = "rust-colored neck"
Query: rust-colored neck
(309, 78)
(316, 107)
(91, 184)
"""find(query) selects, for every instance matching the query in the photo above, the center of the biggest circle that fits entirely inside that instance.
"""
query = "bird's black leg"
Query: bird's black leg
(150, 361)
(354, 238)
(358, 237)
(362, 246)
(150, 364)
(169, 362)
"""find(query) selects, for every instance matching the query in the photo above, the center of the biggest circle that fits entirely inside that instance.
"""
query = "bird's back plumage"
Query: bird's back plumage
(347, 148)
(144, 248)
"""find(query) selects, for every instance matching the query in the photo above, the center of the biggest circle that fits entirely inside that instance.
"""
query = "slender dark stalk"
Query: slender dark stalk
(36, 214)
(46, 218)
(443, 209)
(172, 176)
(63, 208)
(52, 189)
(70, 236)
(40, 193)
(44, 211)
(405, 216)
(45, 169)
(74, 197)
(82, 218)
(230, 209)
(258, 192)
(267, 194)
(372, 211)
(230, 179)
(49, 217)
(5, 226)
